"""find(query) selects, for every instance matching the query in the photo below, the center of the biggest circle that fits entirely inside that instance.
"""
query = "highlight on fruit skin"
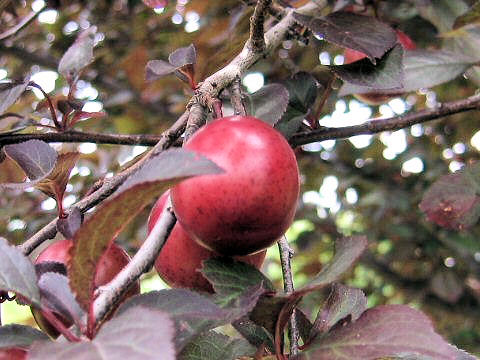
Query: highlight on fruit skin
(250, 205)
(180, 259)
(378, 98)
(111, 263)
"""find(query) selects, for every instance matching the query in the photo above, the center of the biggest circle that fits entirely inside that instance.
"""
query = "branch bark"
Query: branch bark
(256, 42)
(390, 124)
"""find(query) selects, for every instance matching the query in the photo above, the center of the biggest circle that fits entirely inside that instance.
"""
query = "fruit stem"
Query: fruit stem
(236, 98)
(286, 253)
(57, 324)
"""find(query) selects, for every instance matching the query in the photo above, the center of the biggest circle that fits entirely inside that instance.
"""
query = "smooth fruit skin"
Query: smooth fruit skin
(180, 259)
(112, 261)
(249, 206)
(353, 55)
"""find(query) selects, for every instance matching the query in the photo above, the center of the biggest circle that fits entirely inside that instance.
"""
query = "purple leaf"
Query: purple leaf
(343, 302)
(95, 235)
(347, 251)
(35, 157)
(139, 333)
(453, 201)
(215, 346)
(19, 335)
(79, 55)
(194, 313)
(302, 91)
(255, 334)
(183, 56)
(17, 273)
(386, 74)
(268, 104)
(384, 331)
(156, 69)
(68, 226)
(10, 92)
(361, 33)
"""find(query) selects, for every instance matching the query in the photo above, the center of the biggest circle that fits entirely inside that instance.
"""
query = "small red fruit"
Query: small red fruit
(247, 208)
(374, 98)
(180, 259)
(111, 263)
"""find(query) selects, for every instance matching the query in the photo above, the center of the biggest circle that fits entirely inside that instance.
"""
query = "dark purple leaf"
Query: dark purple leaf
(302, 91)
(384, 331)
(57, 296)
(99, 230)
(422, 69)
(447, 286)
(35, 157)
(215, 346)
(347, 251)
(183, 56)
(10, 92)
(386, 74)
(255, 334)
(17, 273)
(361, 33)
(452, 201)
(79, 55)
(19, 335)
(68, 226)
(139, 333)
(231, 278)
(194, 313)
(156, 69)
(268, 104)
(343, 302)
(303, 324)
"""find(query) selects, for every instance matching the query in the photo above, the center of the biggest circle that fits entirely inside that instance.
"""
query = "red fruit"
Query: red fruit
(12, 354)
(113, 260)
(353, 55)
(181, 258)
(252, 204)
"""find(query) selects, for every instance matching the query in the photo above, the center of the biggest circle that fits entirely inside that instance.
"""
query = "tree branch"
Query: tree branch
(236, 98)
(256, 42)
(109, 186)
(390, 124)
(23, 23)
(286, 254)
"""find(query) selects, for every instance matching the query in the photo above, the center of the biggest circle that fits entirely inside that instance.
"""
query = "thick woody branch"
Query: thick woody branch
(109, 185)
(390, 124)
(256, 42)
(140, 263)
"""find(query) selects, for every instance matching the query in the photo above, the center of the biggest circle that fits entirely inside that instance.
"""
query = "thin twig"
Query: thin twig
(108, 187)
(140, 263)
(23, 23)
(286, 254)
(236, 97)
(256, 42)
(390, 124)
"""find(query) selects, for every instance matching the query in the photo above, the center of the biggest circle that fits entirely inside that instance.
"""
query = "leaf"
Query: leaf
(343, 302)
(10, 92)
(55, 183)
(98, 231)
(387, 74)
(156, 69)
(17, 273)
(268, 104)
(472, 16)
(255, 334)
(361, 33)
(215, 346)
(453, 201)
(193, 313)
(422, 69)
(302, 91)
(231, 278)
(14, 335)
(447, 286)
(57, 296)
(180, 62)
(388, 330)
(79, 55)
(183, 56)
(347, 251)
(139, 333)
(68, 226)
(36, 158)
(10, 172)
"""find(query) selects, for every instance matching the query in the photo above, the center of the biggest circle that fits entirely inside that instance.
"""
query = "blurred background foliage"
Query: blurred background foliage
(367, 184)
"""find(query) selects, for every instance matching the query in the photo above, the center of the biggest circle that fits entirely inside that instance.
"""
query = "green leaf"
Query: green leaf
(98, 231)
